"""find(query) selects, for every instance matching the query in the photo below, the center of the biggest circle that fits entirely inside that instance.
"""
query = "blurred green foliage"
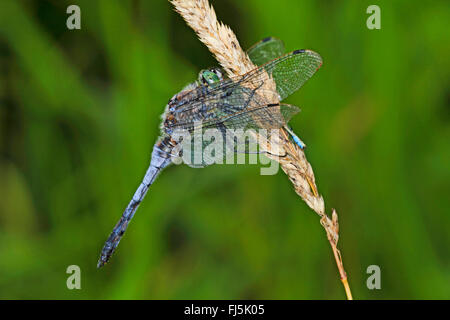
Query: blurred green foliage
(79, 113)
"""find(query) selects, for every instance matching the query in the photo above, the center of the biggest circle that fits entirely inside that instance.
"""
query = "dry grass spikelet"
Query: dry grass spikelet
(219, 38)
(223, 44)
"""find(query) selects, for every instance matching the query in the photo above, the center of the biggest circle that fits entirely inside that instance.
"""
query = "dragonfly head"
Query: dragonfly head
(210, 76)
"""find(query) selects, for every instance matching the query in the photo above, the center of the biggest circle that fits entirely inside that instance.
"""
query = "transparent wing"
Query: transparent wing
(244, 101)
(205, 146)
(266, 50)
(217, 146)
(271, 116)
(219, 143)
(288, 111)
(292, 70)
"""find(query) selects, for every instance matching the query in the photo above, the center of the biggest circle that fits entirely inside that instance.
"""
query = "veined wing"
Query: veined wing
(245, 98)
(270, 116)
(270, 49)
(266, 50)
(292, 70)
(217, 144)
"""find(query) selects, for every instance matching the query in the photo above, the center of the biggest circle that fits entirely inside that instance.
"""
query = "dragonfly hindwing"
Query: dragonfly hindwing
(288, 111)
(266, 50)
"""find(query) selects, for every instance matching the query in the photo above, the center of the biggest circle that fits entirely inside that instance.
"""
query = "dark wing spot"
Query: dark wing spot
(298, 51)
(266, 39)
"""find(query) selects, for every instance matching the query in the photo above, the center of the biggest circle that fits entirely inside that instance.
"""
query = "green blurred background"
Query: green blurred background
(80, 111)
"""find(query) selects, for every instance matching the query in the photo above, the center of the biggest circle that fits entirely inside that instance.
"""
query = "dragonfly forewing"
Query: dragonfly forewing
(266, 50)
(247, 99)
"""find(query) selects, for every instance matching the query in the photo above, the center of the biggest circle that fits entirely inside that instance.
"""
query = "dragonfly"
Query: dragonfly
(217, 102)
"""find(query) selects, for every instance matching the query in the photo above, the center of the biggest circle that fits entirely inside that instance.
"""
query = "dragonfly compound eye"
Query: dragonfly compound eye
(209, 77)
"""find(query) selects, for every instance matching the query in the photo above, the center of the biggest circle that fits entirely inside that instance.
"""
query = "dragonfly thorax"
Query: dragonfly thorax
(169, 121)
(184, 109)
